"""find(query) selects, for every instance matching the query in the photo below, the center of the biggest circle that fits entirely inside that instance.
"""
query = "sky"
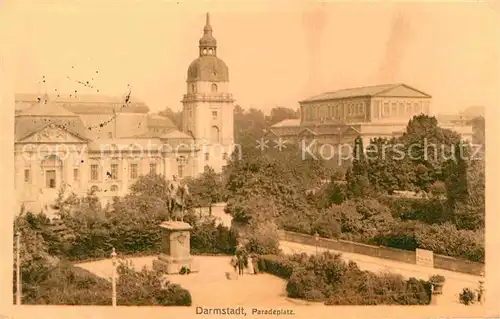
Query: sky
(278, 53)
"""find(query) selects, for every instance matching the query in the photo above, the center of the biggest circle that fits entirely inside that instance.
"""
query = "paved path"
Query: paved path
(455, 281)
(210, 287)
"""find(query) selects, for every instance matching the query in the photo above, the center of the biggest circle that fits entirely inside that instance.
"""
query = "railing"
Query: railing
(406, 256)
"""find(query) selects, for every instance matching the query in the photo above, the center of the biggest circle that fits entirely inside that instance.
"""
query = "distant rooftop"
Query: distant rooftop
(286, 123)
(373, 90)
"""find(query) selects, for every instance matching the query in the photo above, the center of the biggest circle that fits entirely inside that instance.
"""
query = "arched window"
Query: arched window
(94, 189)
(193, 88)
(214, 88)
(214, 135)
(114, 188)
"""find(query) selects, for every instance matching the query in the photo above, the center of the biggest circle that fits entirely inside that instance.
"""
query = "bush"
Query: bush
(208, 237)
(444, 239)
(260, 237)
(279, 266)
(428, 211)
(66, 284)
(143, 288)
(467, 296)
(328, 278)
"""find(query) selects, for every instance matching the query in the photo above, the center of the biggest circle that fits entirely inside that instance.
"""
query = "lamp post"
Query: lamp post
(316, 239)
(113, 277)
(18, 269)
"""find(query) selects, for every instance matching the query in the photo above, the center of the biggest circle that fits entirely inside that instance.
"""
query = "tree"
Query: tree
(279, 114)
(358, 183)
(175, 117)
(478, 128)
(428, 148)
(206, 189)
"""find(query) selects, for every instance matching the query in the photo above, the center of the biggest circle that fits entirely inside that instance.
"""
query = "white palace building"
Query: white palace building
(105, 144)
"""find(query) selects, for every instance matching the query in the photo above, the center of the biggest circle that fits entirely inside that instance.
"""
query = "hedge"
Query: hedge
(327, 278)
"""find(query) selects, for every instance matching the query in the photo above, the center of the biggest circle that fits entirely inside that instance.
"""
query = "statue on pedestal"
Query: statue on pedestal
(177, 196)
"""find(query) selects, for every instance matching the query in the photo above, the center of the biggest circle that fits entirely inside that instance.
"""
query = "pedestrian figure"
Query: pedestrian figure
(480, 292)
(234, 262)
(250, 263)
(241, 265)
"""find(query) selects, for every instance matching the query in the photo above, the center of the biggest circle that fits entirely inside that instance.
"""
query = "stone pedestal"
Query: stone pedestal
(175, 250)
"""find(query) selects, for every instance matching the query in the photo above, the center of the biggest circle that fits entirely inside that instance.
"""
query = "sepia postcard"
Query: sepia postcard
(206, 159)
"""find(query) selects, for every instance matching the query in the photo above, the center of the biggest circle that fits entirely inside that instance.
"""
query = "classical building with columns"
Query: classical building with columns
(338, 117)
(89, 142)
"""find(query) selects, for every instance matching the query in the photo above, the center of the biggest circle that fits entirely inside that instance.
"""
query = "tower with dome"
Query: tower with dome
(208, 104)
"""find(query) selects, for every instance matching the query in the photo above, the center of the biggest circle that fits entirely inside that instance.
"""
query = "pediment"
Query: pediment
(52, 134)
(307, 132)
(351, 131)
(403, 90)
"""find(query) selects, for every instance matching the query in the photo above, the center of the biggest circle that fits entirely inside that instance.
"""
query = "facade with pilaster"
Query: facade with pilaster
(89, 142)
(336, 118)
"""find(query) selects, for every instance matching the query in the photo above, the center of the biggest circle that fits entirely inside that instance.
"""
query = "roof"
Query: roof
(87, 103)
(340, 130)
(286, 123)
(89, 98)
(40, 115)
(398, 90)
(209, 69)
(155, 120)
(49, 109)
(176, 134)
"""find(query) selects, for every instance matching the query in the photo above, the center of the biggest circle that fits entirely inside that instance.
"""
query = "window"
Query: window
(94, 172)
(114, 188)
(408, 109)
(416, 108)
(426, 108)
(193, 88)
(76, 174)
(214, 115)
(386, 110)
(214, 88)
(152, 168)
(207, 156)
(26, 175)
(94, 189)
(394, 109)
(114, 171)
(214, 137)
(133, 171)
(50, 178)
(180, 169)
(402, 109)
(224, 156)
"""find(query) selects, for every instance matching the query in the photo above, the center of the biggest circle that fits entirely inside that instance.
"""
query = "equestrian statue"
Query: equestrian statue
(176, 199)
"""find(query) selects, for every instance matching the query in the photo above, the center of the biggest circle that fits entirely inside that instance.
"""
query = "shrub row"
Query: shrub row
(410, 227)
(66, 284)
(327, 278)
(94, 237)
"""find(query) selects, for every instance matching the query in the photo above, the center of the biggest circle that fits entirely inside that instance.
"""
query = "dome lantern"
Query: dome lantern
(208, 67)
(208, 44)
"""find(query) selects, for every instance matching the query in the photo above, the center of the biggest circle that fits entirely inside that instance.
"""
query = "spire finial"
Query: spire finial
(208, 28)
